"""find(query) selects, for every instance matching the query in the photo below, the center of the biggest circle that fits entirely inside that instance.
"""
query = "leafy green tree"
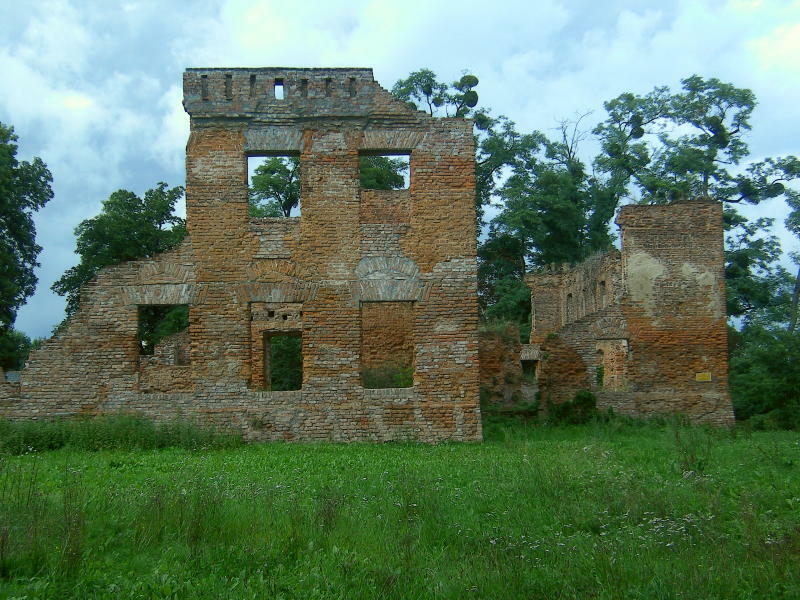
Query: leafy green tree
(421, 88)
(24, 189)
(128, 227)
(382, 172)
(275, 184)
(275, 187)
(14, 349)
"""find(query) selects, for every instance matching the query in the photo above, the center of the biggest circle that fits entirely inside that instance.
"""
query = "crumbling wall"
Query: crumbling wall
(658, 344)
(350, 249)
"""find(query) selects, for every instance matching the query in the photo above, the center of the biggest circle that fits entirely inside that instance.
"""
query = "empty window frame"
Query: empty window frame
(283, 361)
(385, 171)
(274, 185)
(530, 370)
(278, 89)
(157, 324)
(387, 344)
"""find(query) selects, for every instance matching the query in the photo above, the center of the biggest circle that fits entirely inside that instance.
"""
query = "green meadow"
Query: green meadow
(603, 510)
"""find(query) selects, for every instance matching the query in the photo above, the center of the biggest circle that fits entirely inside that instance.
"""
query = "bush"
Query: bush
(581, 409)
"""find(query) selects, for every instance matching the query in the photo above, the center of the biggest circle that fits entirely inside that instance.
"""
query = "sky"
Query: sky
(93, 87)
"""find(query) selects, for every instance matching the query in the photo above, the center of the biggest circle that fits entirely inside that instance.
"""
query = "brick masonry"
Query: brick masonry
(327, 271)
(645, 328)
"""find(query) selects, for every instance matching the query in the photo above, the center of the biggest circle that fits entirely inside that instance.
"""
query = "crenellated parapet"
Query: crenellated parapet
(288, 94)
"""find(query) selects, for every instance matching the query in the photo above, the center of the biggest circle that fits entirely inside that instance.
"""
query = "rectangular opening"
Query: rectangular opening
(351, 86)
(229, 87)
(204, 87)
(283, 361)
(385, 171)
(163, 332)
(274, 186)
(328, 86)
(387, 344)
(279, 89)
(252, 86)
(529, 370)
(611, 356)
(304, 88)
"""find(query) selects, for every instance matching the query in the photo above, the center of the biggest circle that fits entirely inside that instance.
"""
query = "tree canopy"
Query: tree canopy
(128, 227)
(24, 189)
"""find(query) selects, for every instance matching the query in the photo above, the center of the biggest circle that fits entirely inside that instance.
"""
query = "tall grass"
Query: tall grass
(604, 510)
(108, 433)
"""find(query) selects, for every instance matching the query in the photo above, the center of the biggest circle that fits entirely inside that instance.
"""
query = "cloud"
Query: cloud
(94, 87)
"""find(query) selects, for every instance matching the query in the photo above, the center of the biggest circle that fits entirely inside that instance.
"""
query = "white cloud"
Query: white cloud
(94, 87)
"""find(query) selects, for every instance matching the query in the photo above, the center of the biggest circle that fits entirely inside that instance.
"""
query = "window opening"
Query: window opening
(384, 171)
(252, 85)
(387, 344)
(279, 89)
(158, 322)
(274, 189)
(351, 87)
(529, 370)
(569, 309)
(304, 88)
(600, 369)
(327, 86)
(283, 361)
(204, 87)
(228, 87)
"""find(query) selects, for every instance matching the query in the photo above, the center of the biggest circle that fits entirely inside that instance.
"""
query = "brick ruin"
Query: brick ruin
(643, 328)
(366, 280)
(361, 278)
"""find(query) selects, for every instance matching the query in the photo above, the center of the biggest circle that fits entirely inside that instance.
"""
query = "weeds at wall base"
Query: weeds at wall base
(109, 433)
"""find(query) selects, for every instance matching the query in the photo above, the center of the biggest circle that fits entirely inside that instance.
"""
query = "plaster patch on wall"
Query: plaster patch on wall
(704, 279)
(643, 270)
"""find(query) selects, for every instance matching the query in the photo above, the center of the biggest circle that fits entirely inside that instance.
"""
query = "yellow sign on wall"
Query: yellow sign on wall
(705, 376)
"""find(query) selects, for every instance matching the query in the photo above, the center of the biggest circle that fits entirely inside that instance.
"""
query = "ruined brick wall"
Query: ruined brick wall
(241, 276)
(387, 335)
(501, 370)
(658, 344)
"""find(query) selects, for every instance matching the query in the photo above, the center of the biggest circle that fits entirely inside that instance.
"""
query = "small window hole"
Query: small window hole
(228, 87)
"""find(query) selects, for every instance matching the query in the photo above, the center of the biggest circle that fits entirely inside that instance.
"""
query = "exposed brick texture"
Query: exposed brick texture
(350, 249)
(387, 335)
(645, 329)
(501, 370)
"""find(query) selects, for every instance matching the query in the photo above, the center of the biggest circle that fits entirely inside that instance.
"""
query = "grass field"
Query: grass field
(607, 510)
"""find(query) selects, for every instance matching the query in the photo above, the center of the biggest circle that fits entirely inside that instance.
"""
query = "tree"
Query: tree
(128, 227)
(14, 349)
(422, 87)
(382, 173)
(24, 189)
(275, 184)
(275, 187)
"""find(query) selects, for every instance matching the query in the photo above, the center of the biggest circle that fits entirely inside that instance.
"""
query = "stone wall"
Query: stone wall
(350, 249)
(656, 340)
